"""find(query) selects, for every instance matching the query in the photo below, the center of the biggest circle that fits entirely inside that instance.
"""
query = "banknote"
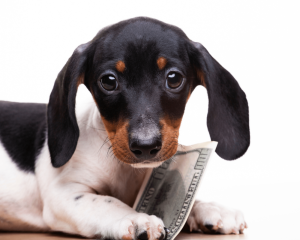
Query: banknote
(169, 190)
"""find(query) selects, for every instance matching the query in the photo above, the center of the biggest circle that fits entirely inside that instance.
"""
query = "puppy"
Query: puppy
(73, 171)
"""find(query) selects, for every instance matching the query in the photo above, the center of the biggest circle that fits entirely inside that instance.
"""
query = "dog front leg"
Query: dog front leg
(90, 215)
(214, 218)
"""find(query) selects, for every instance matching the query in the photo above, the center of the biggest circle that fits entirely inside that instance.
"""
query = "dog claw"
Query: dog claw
(161, 237)
(167, 232)
(143, 236)
(209, 226)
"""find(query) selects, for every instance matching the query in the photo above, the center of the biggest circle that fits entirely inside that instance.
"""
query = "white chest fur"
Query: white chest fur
(22, 194)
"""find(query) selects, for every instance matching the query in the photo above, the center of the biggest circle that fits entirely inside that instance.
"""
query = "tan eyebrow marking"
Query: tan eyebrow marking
(120, 66)
(161, 62)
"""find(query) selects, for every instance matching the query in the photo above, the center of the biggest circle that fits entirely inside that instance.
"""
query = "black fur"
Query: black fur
(228, 117)
(108, 200)
(140, 99)
(78, 197)
(63, 131)
(139, 42)
(22, 131)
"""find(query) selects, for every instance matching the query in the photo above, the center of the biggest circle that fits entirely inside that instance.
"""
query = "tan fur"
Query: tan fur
(170, 133)
(161, 62)
(118, 136)
(200, 75)
(80, 80)
(120, 66)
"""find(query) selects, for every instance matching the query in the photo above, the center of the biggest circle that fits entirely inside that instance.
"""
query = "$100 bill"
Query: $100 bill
(169, 190)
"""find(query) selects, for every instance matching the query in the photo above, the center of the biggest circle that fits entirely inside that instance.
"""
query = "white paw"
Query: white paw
(140, 226)
(214, 218)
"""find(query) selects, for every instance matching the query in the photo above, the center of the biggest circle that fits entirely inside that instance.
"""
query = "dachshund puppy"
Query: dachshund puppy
(73, 171)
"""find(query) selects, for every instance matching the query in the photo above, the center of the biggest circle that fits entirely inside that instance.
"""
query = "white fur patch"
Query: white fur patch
(92, 194)
(20, 202)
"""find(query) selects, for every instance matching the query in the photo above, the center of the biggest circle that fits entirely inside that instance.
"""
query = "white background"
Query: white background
(258, 42)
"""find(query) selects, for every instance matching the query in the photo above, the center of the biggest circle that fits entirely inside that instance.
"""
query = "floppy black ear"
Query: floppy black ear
(63, 131)
(228, 117)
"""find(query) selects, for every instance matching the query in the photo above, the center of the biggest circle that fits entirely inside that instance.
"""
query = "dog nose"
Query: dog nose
(145, 149)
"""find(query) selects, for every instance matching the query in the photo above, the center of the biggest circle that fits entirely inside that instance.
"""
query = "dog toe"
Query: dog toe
(144, 227)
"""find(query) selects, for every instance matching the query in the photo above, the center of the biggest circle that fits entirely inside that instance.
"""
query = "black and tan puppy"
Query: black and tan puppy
(55, 172)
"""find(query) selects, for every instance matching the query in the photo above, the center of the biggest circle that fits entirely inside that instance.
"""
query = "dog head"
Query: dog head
(141, 73)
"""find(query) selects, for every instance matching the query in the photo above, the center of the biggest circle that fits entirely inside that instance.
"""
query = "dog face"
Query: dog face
(140, 80)
(141, 73)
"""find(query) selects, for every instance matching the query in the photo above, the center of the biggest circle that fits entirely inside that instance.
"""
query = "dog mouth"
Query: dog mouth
(151, 156)
(147, 164)
(165, 154)
(129, 158)
(154, 158)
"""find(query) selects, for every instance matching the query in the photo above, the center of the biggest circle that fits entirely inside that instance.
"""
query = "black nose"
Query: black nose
(145, 149)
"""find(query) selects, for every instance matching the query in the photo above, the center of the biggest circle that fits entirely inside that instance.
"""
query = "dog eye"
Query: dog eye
(109, 82)
(174, 80)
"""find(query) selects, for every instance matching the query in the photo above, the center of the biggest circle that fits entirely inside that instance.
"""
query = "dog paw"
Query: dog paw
(214, 218)
(141, 226)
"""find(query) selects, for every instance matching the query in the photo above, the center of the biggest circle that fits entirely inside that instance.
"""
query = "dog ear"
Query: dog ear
(63, 130)
(228, 117)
